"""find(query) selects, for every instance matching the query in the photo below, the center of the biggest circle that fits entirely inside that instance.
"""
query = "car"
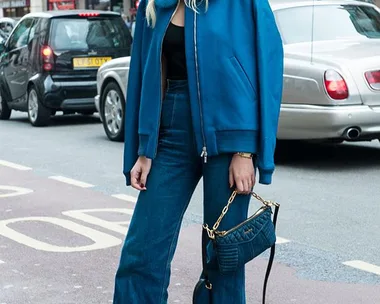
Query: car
(112, 79)
(6, 25)
(50, 61)
(331, 84)
(331, 88)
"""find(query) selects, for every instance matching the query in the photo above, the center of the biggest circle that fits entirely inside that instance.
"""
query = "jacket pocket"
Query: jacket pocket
(238, 68)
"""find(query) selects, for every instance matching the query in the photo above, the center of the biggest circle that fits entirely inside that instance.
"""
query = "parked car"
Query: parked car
(331, 85)
(50, 61)
(7, 25)
(332, 74)
(110, 102)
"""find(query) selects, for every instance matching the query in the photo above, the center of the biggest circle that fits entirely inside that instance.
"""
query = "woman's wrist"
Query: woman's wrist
(245, 154)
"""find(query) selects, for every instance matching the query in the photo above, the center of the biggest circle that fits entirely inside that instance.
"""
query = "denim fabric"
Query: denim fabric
(144, 271)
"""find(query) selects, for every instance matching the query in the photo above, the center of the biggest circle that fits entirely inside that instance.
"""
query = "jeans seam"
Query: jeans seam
(173, 111)
(170, 250)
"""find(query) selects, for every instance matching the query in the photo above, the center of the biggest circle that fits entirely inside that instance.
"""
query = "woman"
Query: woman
(204, 95)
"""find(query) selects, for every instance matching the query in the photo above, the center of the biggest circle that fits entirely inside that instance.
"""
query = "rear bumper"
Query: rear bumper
(78, 104)
(70, 95)
(301, 122)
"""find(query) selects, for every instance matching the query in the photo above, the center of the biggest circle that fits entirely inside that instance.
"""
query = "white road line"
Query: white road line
(13, 165)
(363, 266)
(14, 191)
(281, 240)
(71, 181)
(125, 197)
(2, 262)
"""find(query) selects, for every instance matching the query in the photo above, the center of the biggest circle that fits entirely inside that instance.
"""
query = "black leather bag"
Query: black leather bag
(239, 245)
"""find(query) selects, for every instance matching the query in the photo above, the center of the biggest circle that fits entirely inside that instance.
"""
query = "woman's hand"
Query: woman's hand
(139, 173)
(242, 174)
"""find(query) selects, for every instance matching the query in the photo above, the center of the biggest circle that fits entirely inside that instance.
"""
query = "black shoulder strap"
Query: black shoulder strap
(205, 240)
(271, 257)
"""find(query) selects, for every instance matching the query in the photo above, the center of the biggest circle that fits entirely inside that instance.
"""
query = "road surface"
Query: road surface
(64, 211)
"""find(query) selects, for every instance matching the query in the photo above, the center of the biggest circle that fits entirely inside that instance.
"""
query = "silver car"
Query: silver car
(331, 74)
(332, 70)
(112, 80)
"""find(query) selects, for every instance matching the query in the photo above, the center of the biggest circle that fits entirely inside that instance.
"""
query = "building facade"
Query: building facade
(14, 8)
(18, 8)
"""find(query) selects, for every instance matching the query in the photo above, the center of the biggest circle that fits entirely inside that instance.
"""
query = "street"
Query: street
(64, 211)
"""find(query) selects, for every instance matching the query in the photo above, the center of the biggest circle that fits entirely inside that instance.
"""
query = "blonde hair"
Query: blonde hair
(151, 9)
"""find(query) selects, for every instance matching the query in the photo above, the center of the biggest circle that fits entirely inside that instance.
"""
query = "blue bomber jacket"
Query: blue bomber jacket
(234, 57)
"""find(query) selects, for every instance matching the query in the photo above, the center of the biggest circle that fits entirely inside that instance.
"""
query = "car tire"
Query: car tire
(38, 114)
(5, 111)
(112, 109)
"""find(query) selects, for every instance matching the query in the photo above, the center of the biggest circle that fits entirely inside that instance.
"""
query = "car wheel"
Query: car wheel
(112, 112)
(38, 114)
(5, 111)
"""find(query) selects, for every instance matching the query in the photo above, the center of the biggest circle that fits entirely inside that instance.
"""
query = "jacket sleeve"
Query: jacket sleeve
(270, 59)
(131, 117)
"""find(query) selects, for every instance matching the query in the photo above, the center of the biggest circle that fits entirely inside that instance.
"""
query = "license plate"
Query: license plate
(90, 62)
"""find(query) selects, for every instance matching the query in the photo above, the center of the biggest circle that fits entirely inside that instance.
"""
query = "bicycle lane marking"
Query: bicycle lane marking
(59, 228)
(13, 191)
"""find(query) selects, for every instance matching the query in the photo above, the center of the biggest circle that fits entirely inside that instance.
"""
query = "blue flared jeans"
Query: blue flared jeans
(144, 271)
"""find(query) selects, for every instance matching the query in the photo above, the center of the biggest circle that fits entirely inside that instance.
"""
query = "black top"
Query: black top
(174, 52)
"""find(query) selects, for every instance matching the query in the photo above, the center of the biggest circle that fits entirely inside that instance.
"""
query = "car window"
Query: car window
(20, 35)
(89, 33)
(32, 31)
(331, 22)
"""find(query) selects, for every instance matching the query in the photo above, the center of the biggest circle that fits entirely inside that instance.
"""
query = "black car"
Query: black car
(50, 62)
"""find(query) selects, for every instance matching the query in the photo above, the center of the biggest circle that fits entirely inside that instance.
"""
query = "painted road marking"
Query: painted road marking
(125, 197)
(281, 240)
(363, 266)
(83, 215)
(2, 262)
(71, 181)
(15, 191)
(100, 240)
(14, 166)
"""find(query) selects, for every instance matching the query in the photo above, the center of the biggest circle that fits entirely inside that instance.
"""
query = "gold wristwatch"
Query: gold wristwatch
(245, 154)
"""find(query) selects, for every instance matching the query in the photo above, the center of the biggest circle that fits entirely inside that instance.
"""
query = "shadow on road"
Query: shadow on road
(330, 157)
(65, 120)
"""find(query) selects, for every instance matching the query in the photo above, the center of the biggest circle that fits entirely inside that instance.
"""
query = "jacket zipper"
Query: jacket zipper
(204, 149)
(160, 95)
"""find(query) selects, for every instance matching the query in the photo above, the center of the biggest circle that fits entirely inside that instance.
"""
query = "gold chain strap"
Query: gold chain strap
(211, 232)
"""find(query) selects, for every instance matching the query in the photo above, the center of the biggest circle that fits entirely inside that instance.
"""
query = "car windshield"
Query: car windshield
(88, 34)
(331, 22)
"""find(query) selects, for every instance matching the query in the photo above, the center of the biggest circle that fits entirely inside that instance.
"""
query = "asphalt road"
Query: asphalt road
(64, 211)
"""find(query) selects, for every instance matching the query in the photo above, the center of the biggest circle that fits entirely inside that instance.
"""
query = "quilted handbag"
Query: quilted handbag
(240, 244)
